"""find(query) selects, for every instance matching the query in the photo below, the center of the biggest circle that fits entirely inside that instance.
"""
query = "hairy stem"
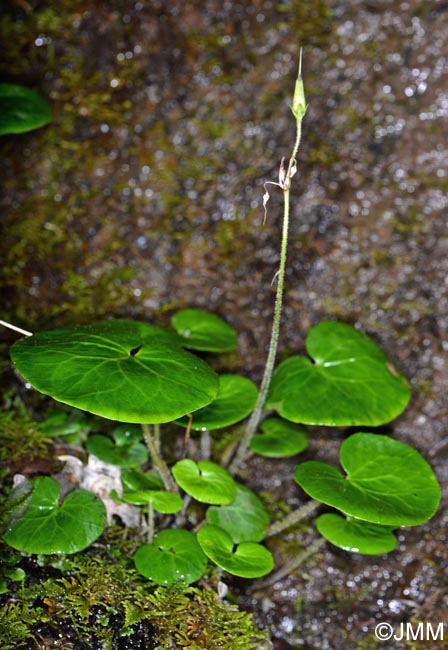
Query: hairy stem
(157, 437)
(290, 566)
(157, 459)
(293, 518)
(256, 416)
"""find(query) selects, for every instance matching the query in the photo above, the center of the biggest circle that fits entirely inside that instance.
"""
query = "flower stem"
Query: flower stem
(256, 416)
(157, 459)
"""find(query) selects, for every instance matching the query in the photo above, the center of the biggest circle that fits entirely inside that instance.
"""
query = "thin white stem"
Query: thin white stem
(15, 328)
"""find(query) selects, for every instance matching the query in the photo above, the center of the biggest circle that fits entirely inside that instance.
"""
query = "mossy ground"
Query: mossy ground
(97, 601)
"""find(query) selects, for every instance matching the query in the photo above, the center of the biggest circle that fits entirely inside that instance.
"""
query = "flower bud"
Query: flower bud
(298, 106)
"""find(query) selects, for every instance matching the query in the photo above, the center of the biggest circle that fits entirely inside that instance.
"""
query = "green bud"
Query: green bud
(298, 107)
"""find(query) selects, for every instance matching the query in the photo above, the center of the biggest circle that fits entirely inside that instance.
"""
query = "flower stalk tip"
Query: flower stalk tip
(299, 105)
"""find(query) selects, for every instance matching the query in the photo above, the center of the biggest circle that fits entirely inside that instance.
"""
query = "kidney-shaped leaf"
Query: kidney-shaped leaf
(21, 109)
(165, 502)
(279, 439)
(125, 450)
(49, 527)
(127, 434)
(122, 370)
(235, 400)
(201, 330)
(174, 556)
(387, 482)
(135, 479)
(106, 450)
(247, 560)
(356, 536)
(245, 519)
(205, 481)
(60, 423)
(348, 380)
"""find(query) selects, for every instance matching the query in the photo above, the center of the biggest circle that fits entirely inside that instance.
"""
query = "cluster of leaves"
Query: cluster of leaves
(135, 372)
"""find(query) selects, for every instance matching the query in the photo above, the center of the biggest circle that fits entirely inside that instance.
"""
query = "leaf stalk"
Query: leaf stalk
(157, 459)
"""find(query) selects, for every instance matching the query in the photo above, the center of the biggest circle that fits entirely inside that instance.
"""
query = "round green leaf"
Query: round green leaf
(247, 560)
(126, 435)
(49, 527)
(174, 556)
(124, 453)
(387, 482)
(356, 536)
(123, 370)
(235, 400)
(21, 109)
(201, 330)
(279, 439)
(165, 502)
(348, 380)
(245, 519)
(205, 481)
(134, 479)
(14, 574)
(60, 423)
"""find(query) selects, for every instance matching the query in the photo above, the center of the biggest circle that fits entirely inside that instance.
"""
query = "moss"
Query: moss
(16, 622)
(99, 600)
(193, 618)
(20, 436)
(57, 267)
(313, 20)
(64, 247)
(333, 307)
(277, 508)
(231, 237)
